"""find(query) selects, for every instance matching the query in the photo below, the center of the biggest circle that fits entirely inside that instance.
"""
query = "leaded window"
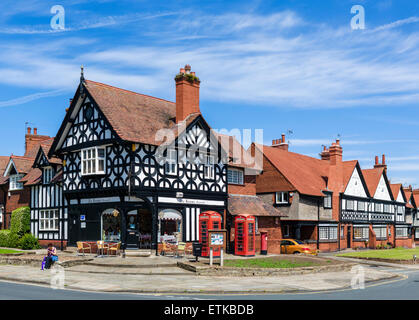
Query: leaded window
(235, 176)
(93, 161)
(48, 220)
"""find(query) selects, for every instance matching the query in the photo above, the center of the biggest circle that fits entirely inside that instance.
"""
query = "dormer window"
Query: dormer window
(282, 198)
(209, 167)
(47, 175)
(14, 182)
(93, 161)
(171, 162)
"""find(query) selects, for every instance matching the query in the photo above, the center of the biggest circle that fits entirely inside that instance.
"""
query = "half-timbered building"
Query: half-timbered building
(136, 168)
(48, 207)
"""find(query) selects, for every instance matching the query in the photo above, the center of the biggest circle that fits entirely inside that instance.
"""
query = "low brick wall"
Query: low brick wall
(36, 261)
(246, 272)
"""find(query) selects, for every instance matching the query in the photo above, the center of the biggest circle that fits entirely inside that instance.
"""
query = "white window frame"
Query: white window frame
(48, 220)
(364, 233)
(91, 161)
(171, 164)
(402, 232)
(378, 207)
(327, 200)
(235, 176)
(209, 171)
(282, 197)
(380, 232)
(361, 204)
(47, 175)
(328, 233)
(14, 183)
(350, 207)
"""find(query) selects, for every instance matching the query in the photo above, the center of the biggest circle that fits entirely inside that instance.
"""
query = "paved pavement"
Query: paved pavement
(184, 282)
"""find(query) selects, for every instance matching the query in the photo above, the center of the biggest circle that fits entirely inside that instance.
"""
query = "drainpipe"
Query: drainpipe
(318, 221)
(339, 212)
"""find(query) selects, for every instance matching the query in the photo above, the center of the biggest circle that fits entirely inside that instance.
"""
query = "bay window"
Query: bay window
(93, 161)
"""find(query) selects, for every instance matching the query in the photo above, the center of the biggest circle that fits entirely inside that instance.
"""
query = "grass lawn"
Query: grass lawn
(7, 251)
(396, 254)
(266, 263)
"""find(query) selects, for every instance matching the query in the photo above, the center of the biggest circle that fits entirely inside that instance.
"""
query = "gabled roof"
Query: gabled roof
(21, 164)
(395, 189)
(4, 160)
(372, 179)
(408, 193)
(305, 173)
(251, 205)
(33, 177)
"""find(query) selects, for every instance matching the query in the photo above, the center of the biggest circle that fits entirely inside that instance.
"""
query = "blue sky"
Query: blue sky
(275, 65)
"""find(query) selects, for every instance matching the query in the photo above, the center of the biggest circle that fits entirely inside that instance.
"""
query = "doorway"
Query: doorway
(139, 228)
(348, 242)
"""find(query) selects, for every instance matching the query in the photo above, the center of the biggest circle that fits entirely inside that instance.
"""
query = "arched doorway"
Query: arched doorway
(169, 226)
(111, 225)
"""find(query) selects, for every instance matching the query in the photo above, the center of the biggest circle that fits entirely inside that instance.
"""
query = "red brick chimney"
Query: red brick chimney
(325, 154)
(280, 143)
(187, 93)
(382, 164)
(335, 152)
(33, 139)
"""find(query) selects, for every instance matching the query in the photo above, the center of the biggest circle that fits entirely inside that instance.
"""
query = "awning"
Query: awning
(170, 214)
(251, 205)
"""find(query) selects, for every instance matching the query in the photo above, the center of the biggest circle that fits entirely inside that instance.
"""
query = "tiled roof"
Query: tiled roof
(251, 205)
(372, 178)
(46, 141)
(305, 173)
(33, 177)
(134, 117)
(395, 189)
(4, 160)
(408, 193)
(22, 164)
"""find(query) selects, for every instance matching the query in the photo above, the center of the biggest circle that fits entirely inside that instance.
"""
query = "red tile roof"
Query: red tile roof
(372, 178)
(134, 117)
(251, 205)
(395, 189)
(408, 193)
(305, 173)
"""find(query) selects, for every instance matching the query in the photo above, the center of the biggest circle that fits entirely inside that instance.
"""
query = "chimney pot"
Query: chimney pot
(384, 159)
(337, 142)
(29, 130)
(376, 160)
(182, 70)
(273, 142)
(35, 131)
(283, 138)
(188, 69)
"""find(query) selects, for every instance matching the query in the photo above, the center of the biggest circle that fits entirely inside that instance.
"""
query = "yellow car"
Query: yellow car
(292, 246)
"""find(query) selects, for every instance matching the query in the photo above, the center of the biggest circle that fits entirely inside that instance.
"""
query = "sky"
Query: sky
(291, 66)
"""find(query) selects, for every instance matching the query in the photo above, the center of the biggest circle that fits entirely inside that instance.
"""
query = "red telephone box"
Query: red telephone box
(244, 236)
(208, 220)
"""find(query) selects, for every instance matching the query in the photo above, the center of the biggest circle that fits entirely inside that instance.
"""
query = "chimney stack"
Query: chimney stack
(280, 143)
(325, 154)
(335, 152)
(382, 164)
(33, 140)
(35, 131)
(187, 93)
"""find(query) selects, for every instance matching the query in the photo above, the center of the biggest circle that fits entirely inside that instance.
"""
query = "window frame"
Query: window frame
(93, 160)
(240, 176)
(171, 163)
(47, 174)
(282, 201)
(14, 184)
(54, 219)
(325, 233)
(209, 170)
(362, 237)
(405, 234)
(328, 200)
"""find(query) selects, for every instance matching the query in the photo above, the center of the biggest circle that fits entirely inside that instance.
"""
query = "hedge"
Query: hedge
(4, 238)
(28, 242)
(20, 222)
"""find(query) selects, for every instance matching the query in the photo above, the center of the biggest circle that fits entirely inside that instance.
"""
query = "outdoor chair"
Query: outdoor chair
(115, 247)
(101, 246)
(82, 246)
(167, 249)
(180, 248)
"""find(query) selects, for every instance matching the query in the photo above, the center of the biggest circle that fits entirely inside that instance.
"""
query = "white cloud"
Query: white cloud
(31, 97)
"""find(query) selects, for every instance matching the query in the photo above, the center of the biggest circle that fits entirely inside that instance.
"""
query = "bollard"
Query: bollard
(414, 259)
(211, 256)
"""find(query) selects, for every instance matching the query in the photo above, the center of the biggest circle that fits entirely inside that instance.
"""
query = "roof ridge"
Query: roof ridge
(129, 91)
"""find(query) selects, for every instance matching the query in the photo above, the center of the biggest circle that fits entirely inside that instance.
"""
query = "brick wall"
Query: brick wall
(248, 188)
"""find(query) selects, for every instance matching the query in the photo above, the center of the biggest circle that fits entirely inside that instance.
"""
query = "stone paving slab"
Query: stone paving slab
(189, 283)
